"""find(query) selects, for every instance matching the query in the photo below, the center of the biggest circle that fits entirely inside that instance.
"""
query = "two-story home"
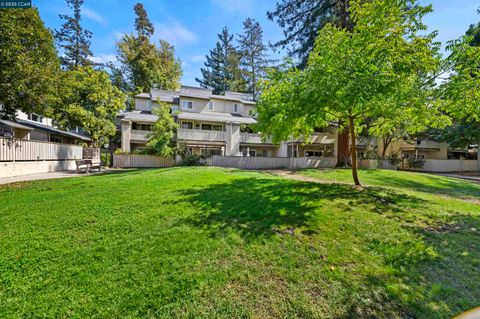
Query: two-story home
(212, 124)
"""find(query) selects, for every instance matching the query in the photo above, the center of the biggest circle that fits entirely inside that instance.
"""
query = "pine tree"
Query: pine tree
(253, 55)
(147, 66)
(301, 21)
(143, 26)
(73, 39)
(222, 69)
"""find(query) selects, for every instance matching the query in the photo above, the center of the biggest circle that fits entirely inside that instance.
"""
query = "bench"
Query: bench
(88, 165)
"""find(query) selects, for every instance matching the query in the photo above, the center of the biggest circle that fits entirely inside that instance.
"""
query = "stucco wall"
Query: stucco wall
(10, 169)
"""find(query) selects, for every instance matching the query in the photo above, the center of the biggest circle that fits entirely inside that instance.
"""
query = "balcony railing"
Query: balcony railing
(201, 135)
(254, 138)
(138, 135)
(320, 138)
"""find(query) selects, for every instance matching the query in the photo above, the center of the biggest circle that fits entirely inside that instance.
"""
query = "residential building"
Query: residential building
(212, 124)
(34, 127)
(427, 149)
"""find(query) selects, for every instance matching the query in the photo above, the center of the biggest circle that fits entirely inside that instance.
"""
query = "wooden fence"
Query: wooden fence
(249, 162)
(141, 161)
(14, 150)
(271, 162)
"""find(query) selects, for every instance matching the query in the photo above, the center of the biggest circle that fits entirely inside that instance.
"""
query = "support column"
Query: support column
(126, 135)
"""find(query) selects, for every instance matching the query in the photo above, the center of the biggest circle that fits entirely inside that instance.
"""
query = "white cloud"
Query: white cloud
(198, 58)
(175, 33)
(92, 15)
(104, 58)
(234, 5)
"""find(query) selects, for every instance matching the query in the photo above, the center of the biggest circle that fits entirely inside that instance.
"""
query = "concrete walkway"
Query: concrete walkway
(40, 176)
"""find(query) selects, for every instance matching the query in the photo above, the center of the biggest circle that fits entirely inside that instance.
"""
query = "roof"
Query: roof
(53, 130)
(194, 92)
(217, 117)
(16, 125)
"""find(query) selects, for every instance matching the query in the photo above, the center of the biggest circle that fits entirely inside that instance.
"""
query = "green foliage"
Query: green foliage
(143, 26)
(222, 69)
(192, 160)
(90, 101)
(301, 21)
(29, 66)
(161, 139)
(144, 64)
(367, 76)
(73, 39)
(415, 162)
(253, 55)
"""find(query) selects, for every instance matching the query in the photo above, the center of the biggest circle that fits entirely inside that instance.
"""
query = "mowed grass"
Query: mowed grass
(218, 243)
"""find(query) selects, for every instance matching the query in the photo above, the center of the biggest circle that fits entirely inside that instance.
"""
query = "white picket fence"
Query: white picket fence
(13, 150)
(141, 161)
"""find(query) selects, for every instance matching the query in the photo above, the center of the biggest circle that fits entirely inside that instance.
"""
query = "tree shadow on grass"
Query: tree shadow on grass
(428, 183)
(423, 285)
(264, 207)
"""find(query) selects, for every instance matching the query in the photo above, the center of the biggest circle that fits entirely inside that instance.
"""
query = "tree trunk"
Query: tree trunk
(354, 152)
(343, 154)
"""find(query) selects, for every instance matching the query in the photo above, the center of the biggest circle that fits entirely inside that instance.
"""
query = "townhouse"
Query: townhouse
(212, 124)
(35, 127)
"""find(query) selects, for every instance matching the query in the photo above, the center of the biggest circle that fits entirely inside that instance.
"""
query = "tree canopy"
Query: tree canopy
(301, 20)
(144, 64)
(253, 55)
(222, 68)
(73, 39)
(355, 76)
(90, 101)
(29, 65)
(161, 139)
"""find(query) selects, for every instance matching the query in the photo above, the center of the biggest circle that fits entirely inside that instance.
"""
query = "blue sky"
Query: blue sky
(191, 25)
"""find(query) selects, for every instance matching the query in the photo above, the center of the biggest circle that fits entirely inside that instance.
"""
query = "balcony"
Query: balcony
(253, 138)
(138, 135)
(201, 135)
(319, 138)
(423, 145)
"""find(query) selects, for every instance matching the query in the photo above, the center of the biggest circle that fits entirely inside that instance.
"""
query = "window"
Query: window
(253, 153)
(210, 105)
(187, 125)
(34, 117)
(55, 139)
(142, 127)
(217, 127)
(313, 153)
(207, 127)
(187, 105)
(210, 151)
(149, 104)
(235, 108)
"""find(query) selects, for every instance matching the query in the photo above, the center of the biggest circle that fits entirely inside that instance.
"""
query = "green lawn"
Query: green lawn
(211, 243)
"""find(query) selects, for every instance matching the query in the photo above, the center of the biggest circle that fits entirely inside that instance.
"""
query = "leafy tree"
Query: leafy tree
(222, 69)
(355, 75)
(29, 66)
(301, 21)
(73, 38)
(147, 66)
(161, 139)
(459, 93)
(253, 55)
(90, 101)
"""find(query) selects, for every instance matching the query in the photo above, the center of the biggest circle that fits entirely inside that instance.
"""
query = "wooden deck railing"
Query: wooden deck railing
(12, 150)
